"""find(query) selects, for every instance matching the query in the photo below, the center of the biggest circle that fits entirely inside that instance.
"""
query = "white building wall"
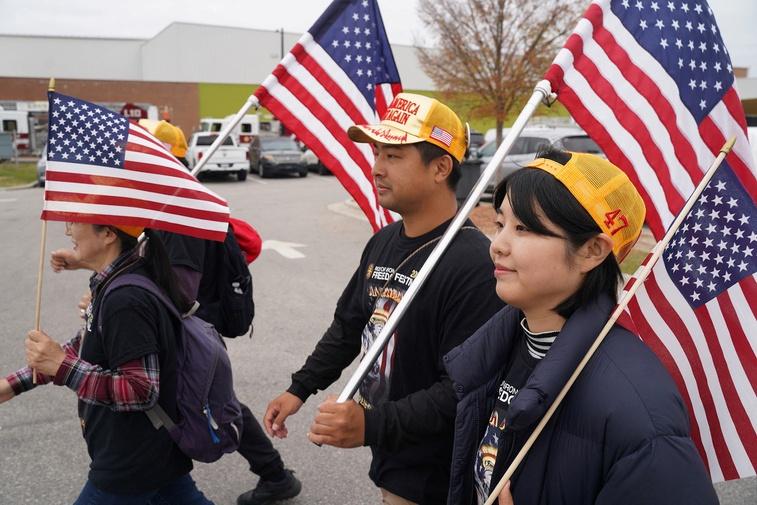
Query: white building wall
(70, 58)
(413, 77)
(182, 52)
(747, 87)
(202, 53)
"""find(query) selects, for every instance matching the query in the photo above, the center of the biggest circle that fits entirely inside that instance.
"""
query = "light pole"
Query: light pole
(281, 32)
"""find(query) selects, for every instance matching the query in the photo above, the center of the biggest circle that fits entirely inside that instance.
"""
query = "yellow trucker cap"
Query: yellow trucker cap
(413, 118)
(607, 194)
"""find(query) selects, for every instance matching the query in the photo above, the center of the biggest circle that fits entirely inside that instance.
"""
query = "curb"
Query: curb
(25, 186)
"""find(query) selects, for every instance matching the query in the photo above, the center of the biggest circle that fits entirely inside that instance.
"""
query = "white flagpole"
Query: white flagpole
(643, 274)
(252, 101)
(542, 92)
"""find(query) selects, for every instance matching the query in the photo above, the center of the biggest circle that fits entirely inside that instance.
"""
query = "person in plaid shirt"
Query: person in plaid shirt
(119, 368)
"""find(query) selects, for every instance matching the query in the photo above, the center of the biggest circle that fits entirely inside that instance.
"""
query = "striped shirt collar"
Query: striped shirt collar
(538, 344)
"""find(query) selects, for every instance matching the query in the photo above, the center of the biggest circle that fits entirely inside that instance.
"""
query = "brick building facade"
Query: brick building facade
(180, 99)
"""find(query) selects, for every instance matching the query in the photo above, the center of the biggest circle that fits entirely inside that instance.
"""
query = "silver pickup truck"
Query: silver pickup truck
(228, 158)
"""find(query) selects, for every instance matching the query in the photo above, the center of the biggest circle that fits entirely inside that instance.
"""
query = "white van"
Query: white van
(243, 133)
(16, 122)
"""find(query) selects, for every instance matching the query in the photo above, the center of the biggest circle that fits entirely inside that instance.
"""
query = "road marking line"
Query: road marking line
(286, 249)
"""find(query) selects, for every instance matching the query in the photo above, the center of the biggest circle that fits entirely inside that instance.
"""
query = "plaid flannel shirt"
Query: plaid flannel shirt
(133, 386)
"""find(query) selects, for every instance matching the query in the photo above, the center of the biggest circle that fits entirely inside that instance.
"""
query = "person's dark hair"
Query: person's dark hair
(429, 152)
(156, 263)
(528, 189)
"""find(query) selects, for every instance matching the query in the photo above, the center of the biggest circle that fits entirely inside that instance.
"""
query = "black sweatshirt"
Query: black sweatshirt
(409, 400)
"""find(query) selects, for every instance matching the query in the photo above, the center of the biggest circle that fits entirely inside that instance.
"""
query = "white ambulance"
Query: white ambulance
(243, 133)
(17, 123)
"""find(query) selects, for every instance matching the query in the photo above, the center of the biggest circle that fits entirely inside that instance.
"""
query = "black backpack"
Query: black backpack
(234, 290)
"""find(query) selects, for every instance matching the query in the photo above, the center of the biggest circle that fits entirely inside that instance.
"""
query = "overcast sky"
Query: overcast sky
(145, 18)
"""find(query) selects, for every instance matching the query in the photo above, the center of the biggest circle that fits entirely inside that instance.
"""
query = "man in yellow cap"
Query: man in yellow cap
(406, 405)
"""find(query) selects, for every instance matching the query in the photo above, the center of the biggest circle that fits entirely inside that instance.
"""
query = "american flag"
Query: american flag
(696, 310)
(341, 72)
(103, 169)
(441, 135)
(651, 82)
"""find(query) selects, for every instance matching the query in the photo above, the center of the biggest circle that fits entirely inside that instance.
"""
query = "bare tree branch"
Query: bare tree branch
(494, 50)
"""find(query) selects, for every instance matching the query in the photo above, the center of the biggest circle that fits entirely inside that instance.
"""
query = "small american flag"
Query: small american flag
(651, 82)
(696, 310)
(103, 169)
(441, 135)
(341, 72)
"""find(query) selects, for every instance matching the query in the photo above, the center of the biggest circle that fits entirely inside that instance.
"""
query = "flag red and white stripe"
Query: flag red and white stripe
(697, 311)
(621, 95)
(652, 84)
(146, 187)
(318, 97)
(710, 352)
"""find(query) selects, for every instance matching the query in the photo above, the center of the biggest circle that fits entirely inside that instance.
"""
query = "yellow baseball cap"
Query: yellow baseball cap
(413, 118)
(607, 194)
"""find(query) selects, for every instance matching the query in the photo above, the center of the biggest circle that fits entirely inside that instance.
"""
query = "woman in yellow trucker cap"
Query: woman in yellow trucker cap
(621, 435)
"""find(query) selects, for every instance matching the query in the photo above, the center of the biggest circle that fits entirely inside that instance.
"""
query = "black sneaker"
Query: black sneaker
(268, 492)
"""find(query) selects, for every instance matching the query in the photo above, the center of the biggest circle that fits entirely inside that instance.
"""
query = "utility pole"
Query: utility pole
(281, 31)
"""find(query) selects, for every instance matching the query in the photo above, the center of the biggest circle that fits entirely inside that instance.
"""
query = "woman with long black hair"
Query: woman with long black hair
(621, 435)
(122, 363)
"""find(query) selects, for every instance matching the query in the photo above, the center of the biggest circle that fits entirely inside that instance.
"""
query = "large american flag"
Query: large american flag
(696, 310)
(651, 82)
(341, 72)
(104, 169)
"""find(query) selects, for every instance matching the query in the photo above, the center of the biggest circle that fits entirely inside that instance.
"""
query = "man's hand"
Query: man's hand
(338, 424)
(6, 392)
(64, 259)
(278, 410)
(43, 354)
(505, 498)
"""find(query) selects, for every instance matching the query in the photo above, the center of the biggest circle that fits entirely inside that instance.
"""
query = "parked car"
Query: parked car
(270, 155)
(313, 163)
(531, 141)
(42, 167)
(475, 142)
(229, 158)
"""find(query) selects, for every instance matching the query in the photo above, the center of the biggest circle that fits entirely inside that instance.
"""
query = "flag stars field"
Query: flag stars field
(694, 246)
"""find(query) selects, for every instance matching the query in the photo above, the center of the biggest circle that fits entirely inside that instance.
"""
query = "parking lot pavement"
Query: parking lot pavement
(42, 457)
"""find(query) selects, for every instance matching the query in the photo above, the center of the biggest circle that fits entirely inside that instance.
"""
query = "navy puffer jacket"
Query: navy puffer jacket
(621, 435)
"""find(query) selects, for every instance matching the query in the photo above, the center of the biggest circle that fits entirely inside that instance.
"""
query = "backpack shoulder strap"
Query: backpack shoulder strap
(157, 415)
(143, 282)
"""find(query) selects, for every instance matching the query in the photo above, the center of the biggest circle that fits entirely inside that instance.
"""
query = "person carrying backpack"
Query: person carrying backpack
(120, 365)
(216, 275)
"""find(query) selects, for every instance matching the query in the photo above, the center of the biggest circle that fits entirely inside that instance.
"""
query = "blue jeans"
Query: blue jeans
(181, 491)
